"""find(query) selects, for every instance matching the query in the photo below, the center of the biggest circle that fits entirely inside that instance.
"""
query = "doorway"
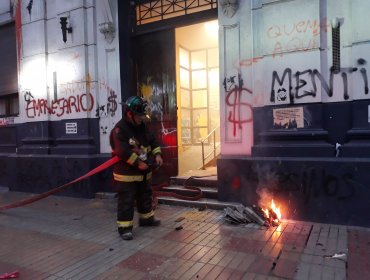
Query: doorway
(197, 91)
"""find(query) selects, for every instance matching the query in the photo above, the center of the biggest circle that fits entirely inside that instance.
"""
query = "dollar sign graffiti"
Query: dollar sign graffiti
(112, 102)
(233, 99)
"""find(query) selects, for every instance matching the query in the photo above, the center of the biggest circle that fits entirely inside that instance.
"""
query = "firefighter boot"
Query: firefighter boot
(149, 222)
(125, 233)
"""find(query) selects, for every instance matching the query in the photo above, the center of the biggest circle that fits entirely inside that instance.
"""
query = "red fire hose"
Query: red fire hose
(157, 189)
(58, 189)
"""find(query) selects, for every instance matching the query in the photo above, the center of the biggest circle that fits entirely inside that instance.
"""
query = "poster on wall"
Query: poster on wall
(287, 118)
(71, 128)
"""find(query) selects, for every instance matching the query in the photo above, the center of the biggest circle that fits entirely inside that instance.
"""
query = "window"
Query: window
(158, 10)
(9, 103)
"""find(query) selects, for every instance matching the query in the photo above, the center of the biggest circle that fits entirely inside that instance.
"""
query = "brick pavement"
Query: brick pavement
(70, 238)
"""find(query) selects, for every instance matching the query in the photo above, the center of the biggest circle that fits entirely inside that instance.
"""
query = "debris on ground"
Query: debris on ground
(242, 215)
(338, 256)
(179, 219)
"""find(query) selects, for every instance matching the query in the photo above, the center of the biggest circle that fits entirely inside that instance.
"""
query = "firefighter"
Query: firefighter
(139, 151)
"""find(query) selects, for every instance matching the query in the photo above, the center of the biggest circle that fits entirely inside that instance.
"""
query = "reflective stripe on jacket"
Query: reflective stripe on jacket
(132, 178)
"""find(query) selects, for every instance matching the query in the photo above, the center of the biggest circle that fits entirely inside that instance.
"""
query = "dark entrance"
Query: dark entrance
(148, 62)
(155, 60)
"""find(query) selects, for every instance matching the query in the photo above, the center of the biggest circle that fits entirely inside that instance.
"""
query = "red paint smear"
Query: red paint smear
(235, 184)
(18, 30)
(169, 139)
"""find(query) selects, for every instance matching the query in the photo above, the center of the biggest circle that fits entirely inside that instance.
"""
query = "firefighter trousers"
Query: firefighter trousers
(129, 192)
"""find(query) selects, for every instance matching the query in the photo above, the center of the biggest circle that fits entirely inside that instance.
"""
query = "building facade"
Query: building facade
(68, 93)
(293, 90)
(295, 111)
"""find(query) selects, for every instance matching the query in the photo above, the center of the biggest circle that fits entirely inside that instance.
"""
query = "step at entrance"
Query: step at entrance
(205, 180)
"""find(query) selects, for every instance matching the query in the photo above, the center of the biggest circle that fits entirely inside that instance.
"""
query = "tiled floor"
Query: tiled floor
(69, 238)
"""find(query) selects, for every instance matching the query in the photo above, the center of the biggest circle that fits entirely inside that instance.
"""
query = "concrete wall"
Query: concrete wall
(276, 53)
(68, 80)
(69, 94)
(293, 128)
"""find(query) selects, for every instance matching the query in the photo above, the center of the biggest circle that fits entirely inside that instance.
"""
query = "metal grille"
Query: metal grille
(336, 48)
(164, 9)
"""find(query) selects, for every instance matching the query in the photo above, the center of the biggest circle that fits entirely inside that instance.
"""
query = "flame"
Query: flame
(273, 209)
(276, 209)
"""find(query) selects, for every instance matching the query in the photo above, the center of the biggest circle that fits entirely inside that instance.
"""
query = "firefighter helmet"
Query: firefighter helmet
(137, 105)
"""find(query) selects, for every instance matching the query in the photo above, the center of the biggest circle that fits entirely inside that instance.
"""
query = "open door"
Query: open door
(155, 65)
(198, 95)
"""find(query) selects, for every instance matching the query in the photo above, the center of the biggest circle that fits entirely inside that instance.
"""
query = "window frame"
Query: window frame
(8, 99)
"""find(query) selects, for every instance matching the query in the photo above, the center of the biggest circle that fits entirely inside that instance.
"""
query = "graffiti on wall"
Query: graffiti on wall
(300, 35)
(310, 182)
(78, 100)
(157, 102)
(110, 107)
(238, 111)
(289, 86)
(36, 107)
(6, 121)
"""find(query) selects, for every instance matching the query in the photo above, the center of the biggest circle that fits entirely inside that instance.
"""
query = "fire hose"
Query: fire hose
(157, 189)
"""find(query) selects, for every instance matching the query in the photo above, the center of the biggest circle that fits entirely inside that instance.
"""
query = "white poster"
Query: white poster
(287, 118)
(71, 128)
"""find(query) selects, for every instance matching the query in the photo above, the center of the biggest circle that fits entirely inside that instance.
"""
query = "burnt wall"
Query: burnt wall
(328, 190)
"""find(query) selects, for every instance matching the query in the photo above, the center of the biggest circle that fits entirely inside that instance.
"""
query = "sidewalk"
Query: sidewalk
(69, 238)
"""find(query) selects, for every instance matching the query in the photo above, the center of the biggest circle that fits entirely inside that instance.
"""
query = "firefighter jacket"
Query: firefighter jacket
(131, 143)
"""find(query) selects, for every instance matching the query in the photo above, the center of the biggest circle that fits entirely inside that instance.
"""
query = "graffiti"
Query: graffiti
(311, 182)
(76, 86)
(294, 44)
(61, 106)
(311, 26)
(281, 90)
(104, 129)
(112, 103)
(29, 6)
(110, 108)
(156, 103)
(314, 182)
(234, 99)
(100, 111)
(361, 62)
(82, 85)
(28, 96)
(230, 82)
(249, 61)
(6, 121)
(291, 37)
(301, 35)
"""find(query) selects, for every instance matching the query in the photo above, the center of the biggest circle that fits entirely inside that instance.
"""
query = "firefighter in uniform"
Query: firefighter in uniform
(139, 151)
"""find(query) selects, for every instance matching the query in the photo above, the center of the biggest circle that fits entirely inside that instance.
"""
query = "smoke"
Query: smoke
(267, 182)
